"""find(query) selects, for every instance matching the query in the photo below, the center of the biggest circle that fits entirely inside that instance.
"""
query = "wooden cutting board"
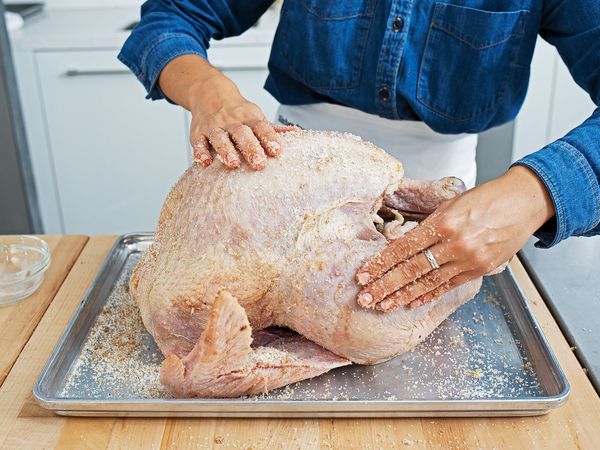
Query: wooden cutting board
(23, 424)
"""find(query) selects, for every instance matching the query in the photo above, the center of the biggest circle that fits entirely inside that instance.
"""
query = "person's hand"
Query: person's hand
(224, 123)
(234, 128)
(469, 236)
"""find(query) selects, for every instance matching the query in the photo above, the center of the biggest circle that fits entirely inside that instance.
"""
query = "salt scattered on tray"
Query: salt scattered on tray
(472, 355)
(119, 359)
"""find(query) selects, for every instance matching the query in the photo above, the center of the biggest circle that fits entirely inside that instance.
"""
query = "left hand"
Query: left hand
(469, 236)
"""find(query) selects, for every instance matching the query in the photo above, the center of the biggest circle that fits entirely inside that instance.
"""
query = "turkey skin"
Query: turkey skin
(250, 282)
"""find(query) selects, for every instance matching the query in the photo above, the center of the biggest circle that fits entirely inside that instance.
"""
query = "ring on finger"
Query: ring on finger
(432, 261)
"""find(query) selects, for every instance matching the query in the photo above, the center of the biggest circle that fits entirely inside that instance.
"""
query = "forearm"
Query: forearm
(168, 30)
(192, 82)
(534, 196)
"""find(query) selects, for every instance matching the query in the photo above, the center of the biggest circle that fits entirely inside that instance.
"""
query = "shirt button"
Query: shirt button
(398, 24)
(384, 93)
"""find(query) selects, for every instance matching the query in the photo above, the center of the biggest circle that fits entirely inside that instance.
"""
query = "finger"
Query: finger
(249, 147)
(201, 151)
(285, 128)
(267, 137)
(219, 139)
(419, 288)
(403, 274)
(442, 289)
(411, 243)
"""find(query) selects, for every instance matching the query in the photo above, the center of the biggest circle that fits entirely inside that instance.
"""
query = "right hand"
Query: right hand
(234, 128)
(223, 122)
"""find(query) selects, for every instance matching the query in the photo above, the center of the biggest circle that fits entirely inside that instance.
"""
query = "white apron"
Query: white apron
(425, 154)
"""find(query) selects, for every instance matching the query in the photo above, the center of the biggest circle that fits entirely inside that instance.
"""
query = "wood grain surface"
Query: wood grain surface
(18, 320)
(23, 424)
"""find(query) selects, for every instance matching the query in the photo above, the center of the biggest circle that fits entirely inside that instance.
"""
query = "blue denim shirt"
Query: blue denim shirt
(459, 66)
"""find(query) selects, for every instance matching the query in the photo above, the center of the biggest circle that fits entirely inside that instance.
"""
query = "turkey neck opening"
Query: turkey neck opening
(393, 223)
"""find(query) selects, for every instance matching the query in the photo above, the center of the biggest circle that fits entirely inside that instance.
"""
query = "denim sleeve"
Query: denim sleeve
(570, 166)
(169, 29)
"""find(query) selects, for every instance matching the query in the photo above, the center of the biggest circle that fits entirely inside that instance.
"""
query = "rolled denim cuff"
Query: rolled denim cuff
(157, 55)
(574, 189)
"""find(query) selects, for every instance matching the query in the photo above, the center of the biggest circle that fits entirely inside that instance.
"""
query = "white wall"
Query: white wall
(555, 104)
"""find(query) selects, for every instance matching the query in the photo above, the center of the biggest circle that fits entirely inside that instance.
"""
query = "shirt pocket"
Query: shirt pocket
(323, 42)
(469, 58)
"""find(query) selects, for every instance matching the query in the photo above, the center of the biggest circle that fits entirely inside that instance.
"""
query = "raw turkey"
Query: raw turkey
(250, 283)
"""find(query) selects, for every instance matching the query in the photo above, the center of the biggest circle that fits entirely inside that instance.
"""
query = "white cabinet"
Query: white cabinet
(115, 154)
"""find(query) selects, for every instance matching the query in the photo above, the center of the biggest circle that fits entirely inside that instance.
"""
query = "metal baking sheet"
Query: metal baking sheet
(489, 358)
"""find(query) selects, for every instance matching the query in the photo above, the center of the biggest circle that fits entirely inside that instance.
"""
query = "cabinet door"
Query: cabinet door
(115, 154)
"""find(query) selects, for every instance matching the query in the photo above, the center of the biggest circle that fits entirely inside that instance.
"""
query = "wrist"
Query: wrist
(527, 183)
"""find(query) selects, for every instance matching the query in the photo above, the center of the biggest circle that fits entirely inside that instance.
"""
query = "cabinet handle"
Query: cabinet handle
(92, 72)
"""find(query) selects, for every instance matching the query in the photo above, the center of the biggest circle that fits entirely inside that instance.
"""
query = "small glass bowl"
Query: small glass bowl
(23, 263)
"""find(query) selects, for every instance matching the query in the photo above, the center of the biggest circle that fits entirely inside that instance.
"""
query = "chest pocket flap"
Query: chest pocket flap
(323, 42)
(468, 59)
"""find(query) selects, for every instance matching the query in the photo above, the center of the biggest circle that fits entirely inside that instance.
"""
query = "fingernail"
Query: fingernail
(258, 162)
(365, 299)
(205, 160)
(363, 278)
(386, 305)
(274, 146)
(232, 161)
(415, 304)
(229, 162)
